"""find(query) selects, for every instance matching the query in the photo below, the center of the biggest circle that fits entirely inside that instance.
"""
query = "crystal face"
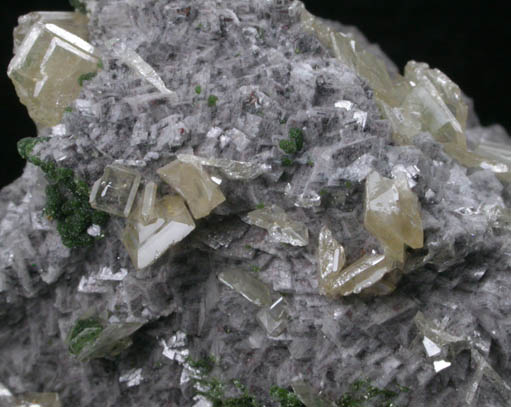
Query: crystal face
(235, 170)
(360, 275)
(331, 257)
(37, 400)
(392, 214)
(308, 396)
(147, 210)
(115, 191)
(200, 193)
(274, 318)
(249, 287)
(280, 227)
(146, 243)
(75, 23)
(46, 69)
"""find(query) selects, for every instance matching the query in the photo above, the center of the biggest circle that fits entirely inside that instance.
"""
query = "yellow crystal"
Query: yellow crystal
(146, 243)
(46, 69)
(248, 286)
(37, 400)
(75, 23)
(360, 275)
(200, 193)
(392, 214)
(115, 191)
(331, 258)
(281, 228)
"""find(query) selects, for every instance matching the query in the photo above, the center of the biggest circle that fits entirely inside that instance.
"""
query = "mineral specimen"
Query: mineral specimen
(308, 396)
(46, 69)
(115, 191)
(194, 185)
(146, 243)
(392, 214)
(252, 91)
(280, 227)
(235, 170)
(249, 287)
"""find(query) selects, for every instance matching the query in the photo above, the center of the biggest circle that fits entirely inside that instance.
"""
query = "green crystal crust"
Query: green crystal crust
(91, 338)
(67, 199)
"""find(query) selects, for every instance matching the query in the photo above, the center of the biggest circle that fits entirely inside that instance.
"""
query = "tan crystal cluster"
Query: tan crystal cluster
(424, 99)
(51, 55)
(392, 215)
(154, 223)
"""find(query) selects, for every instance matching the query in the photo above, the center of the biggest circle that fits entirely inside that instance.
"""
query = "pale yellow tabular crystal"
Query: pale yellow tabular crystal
(146, 243)
(75, 23)
(147, 210)
(200, 193)
(392, 214)
(360, 275)
(274, 318)
(37, 400)
(439, 86)
(331, 257)
(115, 191)
(46, 69)
(248, 286)
(280, 227)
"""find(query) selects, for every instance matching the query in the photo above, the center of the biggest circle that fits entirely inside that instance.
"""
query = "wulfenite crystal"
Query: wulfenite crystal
(46, 69)
(360, 275)
(75, 23)
(148, 205)
(331, 258)
(392, 214)
(280, 227)
(248, 286)
(146, 243)
(235, 170)
(200, 193)
(115, 191)
(274, 318)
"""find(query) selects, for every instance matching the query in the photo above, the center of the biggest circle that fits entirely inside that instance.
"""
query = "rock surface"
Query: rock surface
(233, 79)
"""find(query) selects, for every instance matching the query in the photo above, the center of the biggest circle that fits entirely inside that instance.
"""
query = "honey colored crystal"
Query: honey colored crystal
(200, 193)
(331, 258)
(75, 23)
(253, 289)
(146, 243)
(360, 275)
(281, 228)
(392, 214)
(46, 69)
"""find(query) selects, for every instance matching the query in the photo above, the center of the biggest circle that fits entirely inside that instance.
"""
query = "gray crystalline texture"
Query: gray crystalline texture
(244, 53)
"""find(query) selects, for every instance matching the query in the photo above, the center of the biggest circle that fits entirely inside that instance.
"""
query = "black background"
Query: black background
(468, 40)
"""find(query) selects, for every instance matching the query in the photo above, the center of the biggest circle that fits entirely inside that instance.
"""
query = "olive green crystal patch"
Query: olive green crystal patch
(190, 180)
(91, 338)
(115, 191)
(46, 68)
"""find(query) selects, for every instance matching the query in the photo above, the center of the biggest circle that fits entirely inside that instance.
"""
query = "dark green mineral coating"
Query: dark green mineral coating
(84, 331)
(212, 100)
(86, 77)
(78, 6)
(67, 199)
(285, 398)
(363, 394)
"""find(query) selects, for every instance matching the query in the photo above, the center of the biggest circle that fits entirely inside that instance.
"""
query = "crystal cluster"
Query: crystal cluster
(424, 99)
(48, 65)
